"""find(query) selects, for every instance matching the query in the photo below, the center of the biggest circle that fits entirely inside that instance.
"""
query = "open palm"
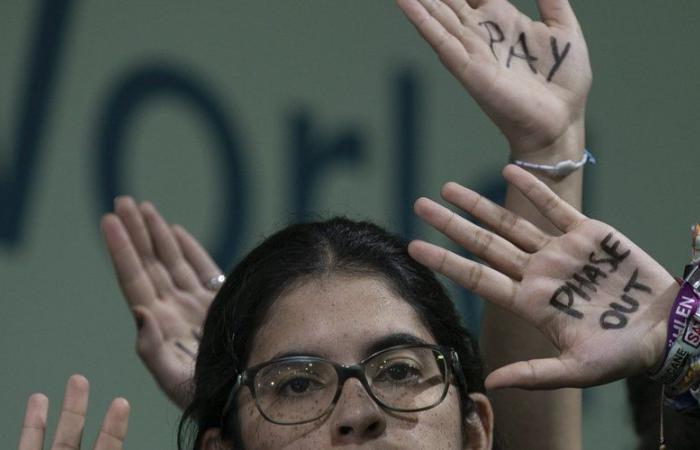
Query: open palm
(530, 77)
(162, 272)
(600, 299)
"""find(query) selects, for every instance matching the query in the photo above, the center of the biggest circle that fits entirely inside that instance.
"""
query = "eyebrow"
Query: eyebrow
(384, 342)
(296, 353)
(392, 340)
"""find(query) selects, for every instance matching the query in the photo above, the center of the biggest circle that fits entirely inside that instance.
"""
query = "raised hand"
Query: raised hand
(531, 78)
(164, 275)
(600, 299)
(72, 420)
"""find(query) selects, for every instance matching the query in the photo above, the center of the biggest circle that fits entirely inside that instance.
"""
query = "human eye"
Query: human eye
(299, 385)
(398, 372)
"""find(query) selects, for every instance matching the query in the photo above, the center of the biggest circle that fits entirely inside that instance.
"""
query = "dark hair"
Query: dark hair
(300, 251)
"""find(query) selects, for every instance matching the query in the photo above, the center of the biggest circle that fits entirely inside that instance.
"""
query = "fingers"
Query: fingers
(196, 256)
(72, 417)
(495, 250)
(476, 3)
(167, 249)
(114, 426)
(482, 280)
(450, 17)
(448, 47)
(462, 8)
(506, 223)
(128, 212)
(72, 420)
(453, 16)
(34, 425)
(546, 373)
(557, 12)
(562, 215)
(135, 223)
(131, 275)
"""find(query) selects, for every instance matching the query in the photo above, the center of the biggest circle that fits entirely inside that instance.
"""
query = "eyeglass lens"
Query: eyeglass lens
(303, 390)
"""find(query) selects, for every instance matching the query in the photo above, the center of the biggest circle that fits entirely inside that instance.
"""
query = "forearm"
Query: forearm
(523, 416)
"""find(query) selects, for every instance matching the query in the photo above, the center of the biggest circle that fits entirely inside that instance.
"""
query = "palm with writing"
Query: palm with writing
(531, 78)
(162, 272)
(600, 299)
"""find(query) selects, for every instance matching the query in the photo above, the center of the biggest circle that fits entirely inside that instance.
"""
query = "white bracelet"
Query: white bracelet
(560, 169)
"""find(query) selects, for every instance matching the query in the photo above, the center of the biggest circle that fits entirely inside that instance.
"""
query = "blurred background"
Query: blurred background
(237, 117)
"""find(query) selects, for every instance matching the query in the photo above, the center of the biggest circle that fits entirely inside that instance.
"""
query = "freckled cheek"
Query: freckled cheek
(438, 427)
(446, 421)
(258, 433)
(250, 421)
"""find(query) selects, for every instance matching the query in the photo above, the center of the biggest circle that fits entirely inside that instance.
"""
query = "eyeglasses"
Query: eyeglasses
(300, 389)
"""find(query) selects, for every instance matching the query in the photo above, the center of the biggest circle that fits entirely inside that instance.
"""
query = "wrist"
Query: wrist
(658, 344)
(568, 146)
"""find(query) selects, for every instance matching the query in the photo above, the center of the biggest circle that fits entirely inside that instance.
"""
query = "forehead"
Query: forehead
(338, 317)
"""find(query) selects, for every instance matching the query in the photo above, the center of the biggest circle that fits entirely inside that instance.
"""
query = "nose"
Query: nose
(356, 417)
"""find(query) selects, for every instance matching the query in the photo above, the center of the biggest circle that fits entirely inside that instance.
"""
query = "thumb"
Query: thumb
(547, 373)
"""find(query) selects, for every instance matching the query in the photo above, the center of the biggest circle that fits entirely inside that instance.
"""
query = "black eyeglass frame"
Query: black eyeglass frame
(345, 372)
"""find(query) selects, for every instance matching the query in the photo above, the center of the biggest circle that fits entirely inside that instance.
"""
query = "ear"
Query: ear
(478, 426)
(212, 441)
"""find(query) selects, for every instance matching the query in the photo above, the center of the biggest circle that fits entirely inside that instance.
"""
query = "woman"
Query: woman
(336, 291)
(162, 271)
(542, 118)
(343, 292)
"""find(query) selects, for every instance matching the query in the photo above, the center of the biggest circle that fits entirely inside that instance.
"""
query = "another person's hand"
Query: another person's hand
(531, 78)
(600, 299)
(163, 273)
(71, 420)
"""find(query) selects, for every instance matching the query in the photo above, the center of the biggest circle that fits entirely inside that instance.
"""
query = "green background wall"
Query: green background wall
(264, 61)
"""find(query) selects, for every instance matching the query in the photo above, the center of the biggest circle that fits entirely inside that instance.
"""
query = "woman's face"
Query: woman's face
(345, 319)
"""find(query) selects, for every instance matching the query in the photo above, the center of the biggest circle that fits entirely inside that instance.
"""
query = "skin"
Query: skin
(349, 315)
(527, 265)
(543, 122)
(163, 271)
(71, 420)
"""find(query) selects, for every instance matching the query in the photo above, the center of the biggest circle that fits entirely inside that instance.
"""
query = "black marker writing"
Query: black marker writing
(558, 57)
(587, 279)
(578, 289)
(186, 350)
(614, 257)
(593, 273)
(634, 284)
(611, 250)
(524, 55)
(616, 316)
(495, 34)
(612, 319)
(585, 282)
(567, 305)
